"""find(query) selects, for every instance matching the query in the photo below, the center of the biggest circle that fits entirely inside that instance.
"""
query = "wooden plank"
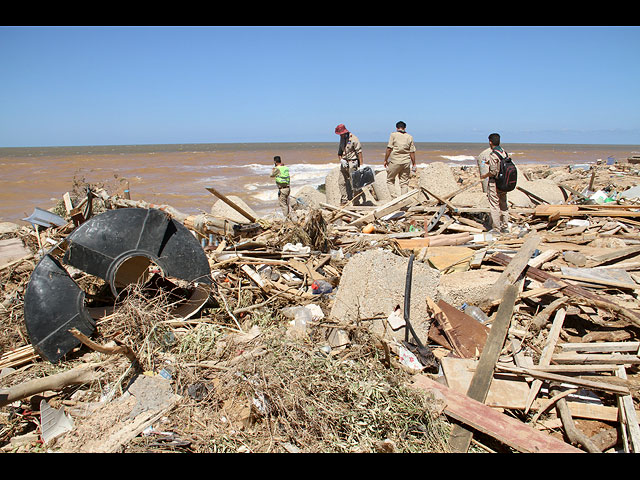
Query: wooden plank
(514, 269)
(591, 358)
(386, 209)
(544, 257)
(629, 417)
(506, 429)
(232, 204)
(505, 391)
(601, 347)
(12, 249)
(569, 380)
(609, 277)
(547, 353)
(255, 276)
(471, 334)
(460, 438)
(573, 290)
(617, 254)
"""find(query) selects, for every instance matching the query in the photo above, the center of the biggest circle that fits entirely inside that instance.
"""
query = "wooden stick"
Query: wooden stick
(547, 353)
(575, 435)
(237, 208)
(628, 415)
(76, 376)
(121, 349)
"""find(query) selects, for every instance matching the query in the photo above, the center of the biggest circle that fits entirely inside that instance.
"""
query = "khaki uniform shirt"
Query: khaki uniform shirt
(401, 145)
(352, 149)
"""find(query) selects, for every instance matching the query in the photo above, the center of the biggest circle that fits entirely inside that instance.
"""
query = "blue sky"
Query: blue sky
(145, 85)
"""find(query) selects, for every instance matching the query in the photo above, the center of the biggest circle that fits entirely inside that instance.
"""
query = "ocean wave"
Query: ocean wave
(266, 195)
(293, 168)
(458, 158)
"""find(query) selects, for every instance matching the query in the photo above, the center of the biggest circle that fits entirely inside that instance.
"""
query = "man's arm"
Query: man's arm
(386, 157)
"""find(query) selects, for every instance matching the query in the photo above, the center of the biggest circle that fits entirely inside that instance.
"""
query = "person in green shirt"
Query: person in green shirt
(283, 182)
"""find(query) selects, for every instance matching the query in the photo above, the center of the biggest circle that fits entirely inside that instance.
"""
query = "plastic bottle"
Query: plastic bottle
(321, 286)
(301, 316)
(475, 312)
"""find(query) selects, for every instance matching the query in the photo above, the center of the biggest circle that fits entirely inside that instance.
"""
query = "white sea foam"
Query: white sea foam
(458, 158)
(269, 195)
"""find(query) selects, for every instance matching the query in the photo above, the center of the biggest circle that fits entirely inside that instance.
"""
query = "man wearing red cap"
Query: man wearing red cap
(350, 156)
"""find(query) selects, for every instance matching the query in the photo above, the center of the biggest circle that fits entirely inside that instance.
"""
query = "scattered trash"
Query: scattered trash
(475, 312)
(53, 422)
(253, 319)
(45, 219)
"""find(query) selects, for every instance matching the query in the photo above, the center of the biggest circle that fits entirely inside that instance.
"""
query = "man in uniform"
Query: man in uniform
(498, 206)
(283, 180)
(350, 156)
(399, 158)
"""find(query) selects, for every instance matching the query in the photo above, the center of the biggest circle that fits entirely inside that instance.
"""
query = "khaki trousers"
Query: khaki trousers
(283, 199)
(403, 172)
(497, 206)
(344, 181)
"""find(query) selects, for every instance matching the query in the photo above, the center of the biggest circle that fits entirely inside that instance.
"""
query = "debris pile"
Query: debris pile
(400, 324)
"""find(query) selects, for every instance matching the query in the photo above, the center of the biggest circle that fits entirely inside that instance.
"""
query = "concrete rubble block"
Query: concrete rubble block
(373, 284)
(470, 287)
(8, 227)
(438, 178)
(545, 188)
(332, 189)
(222, 210)
(310, 196)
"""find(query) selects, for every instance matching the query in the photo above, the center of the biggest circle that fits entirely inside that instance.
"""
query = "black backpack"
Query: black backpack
(507, 177)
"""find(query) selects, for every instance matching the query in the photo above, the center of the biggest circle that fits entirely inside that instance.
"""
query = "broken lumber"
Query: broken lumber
(574, 291)
(75, 376)
(232, 204)
(508, 430)
(460, 437)
(514, 269)
(387, 208)
(547, 353)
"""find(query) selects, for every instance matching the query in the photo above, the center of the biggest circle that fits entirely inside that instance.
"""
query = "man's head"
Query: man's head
(341, 129)
(494, 139)
(276, 160)
(401, 125)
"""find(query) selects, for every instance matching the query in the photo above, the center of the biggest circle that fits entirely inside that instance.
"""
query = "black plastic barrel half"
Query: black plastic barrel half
(117, 246)
(53, 305)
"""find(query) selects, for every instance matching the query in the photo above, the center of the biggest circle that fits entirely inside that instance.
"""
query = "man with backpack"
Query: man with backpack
(502, 177)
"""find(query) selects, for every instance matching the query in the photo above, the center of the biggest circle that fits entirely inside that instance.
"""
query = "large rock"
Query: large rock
(470, 287)
(373, 284)
(8, 227)
(545, 189)
(310, 196)
(333, 190)
(222, 210)
(438, 178)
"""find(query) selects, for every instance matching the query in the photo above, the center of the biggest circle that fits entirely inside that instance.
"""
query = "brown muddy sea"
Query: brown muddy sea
(177, 175)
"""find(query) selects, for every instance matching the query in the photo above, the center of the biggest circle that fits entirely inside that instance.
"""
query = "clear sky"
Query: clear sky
(76, 85)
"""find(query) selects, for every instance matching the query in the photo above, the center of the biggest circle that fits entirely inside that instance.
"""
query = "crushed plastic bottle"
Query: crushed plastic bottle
(301, 316)
(475, 312)
(321, 286)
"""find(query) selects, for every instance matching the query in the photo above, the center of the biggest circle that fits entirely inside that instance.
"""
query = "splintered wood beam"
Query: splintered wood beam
(460, 438)
(508, 430)
(233, 205)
